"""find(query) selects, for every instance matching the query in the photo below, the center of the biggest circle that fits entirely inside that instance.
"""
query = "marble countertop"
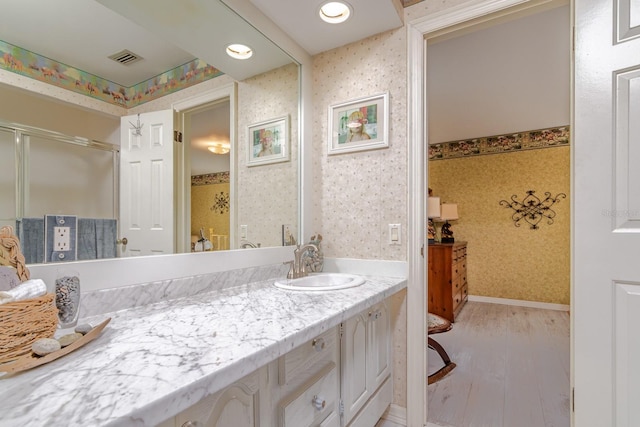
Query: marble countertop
(155, 361)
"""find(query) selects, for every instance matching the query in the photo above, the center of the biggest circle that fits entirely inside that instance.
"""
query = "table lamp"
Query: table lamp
(433, 211)
(448, 212)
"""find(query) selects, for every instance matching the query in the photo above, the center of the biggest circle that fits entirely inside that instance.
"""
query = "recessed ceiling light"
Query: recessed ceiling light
(335, 12)
(239, 51)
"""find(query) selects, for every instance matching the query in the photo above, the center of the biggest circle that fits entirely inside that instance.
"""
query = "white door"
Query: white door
(606, 282)
(146, 184)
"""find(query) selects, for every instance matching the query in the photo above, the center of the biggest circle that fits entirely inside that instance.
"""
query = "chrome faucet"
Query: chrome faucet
(298, 268)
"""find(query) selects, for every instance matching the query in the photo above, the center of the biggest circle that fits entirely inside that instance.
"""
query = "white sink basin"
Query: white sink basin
(320, 282)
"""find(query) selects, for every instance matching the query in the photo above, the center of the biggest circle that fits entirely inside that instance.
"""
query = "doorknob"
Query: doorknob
(122, 241)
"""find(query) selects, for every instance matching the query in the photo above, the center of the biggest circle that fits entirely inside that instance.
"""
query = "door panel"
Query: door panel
(606, 242)
(146, 184)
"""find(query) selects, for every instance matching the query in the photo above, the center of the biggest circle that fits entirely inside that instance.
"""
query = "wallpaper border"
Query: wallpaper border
(210, 178)
(499, 144)
(26, 63)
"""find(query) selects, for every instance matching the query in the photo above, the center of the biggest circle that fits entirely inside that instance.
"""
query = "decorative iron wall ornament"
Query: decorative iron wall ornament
(221, 203)
(532, 209)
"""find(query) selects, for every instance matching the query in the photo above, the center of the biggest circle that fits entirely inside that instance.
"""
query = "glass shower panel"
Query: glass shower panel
(7, 177)
(70, 179)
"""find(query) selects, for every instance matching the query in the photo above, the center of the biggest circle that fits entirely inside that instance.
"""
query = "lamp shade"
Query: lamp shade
(433, 207)
(448, 211)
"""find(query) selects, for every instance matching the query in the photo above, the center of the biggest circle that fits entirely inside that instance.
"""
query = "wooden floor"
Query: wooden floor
(512, 369)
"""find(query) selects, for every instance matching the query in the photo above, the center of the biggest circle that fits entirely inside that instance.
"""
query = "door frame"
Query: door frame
(183, 164)
(418, 31)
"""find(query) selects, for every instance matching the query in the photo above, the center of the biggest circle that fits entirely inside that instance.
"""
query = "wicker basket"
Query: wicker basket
(23, 322)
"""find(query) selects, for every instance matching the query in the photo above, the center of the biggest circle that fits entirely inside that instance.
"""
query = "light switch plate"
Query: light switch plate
(395, 233)
(243, 231)
(60, 238)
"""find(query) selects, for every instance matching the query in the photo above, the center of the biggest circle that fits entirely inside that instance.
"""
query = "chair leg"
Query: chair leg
(448, 364)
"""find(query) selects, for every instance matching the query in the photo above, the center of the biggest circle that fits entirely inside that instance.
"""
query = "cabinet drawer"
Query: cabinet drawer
(313, 402)
(457, 299)
(456, 285)
(302, 362)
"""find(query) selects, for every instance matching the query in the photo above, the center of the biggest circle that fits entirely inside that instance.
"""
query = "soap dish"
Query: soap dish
(30, 361)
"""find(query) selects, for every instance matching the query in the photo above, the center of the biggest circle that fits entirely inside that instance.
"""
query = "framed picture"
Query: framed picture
(359, 124)
(268, 141)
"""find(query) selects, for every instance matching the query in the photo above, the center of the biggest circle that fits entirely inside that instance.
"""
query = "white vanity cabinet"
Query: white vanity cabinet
(308, 392)
(366, 365)
(339, 378)
(238, 405)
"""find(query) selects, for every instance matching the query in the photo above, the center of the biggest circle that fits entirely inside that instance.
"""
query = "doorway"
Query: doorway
(499, 114)
(200, 119)
(419, 32)
(207, 131)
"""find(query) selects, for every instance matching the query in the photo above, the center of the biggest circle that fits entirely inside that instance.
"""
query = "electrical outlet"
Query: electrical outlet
(243, 231)
(61, 239)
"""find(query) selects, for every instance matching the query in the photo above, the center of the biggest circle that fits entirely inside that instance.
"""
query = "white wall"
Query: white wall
(507, 78)
(31, 109)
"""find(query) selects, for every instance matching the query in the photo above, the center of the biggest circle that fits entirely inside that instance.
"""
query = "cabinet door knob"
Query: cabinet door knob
(318, 344)
(318, 402)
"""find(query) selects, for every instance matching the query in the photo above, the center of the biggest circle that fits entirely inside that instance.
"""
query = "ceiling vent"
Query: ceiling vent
(125, 57)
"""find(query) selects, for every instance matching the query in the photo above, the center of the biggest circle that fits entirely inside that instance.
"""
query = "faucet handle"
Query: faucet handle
(290, 273)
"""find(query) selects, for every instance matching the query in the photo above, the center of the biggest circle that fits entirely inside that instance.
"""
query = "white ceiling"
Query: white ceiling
(300, 20)
(168, 33)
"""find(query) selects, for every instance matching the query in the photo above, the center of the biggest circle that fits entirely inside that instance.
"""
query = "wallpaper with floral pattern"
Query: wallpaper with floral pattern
(505, 261)
(210, 205)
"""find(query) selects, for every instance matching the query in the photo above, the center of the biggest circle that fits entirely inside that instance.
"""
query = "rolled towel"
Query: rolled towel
(8, 278)
(32, 288)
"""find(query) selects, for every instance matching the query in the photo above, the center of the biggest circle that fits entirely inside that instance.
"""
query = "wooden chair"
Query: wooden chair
(437, 325)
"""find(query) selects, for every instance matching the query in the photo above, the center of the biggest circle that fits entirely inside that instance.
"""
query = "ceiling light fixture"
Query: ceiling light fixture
(219, 147)
(239, 51)
(335, 12)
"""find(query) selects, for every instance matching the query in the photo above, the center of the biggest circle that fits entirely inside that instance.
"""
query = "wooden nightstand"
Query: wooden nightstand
(447, 279)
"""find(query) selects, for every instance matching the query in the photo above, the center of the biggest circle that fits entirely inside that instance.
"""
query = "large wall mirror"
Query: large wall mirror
(231, 200)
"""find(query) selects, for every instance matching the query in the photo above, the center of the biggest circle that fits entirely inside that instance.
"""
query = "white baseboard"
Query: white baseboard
(520, 303)
(396, 414)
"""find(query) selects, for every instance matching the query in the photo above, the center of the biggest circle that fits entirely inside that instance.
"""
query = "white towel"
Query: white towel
(28, 289)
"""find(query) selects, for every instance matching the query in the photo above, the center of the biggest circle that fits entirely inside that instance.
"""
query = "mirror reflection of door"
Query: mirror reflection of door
(207, 131)
(146, 184)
